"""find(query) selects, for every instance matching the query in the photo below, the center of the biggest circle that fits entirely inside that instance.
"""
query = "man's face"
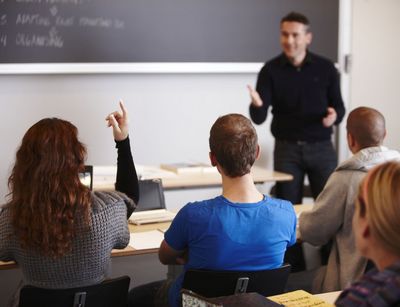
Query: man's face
(294, 40)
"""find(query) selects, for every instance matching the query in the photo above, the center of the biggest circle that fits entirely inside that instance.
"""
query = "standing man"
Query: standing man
(303, 90)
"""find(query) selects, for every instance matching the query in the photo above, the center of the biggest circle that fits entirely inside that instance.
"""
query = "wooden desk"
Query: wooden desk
(127, 251)
(301, 208)
(171, 181)
(130, 251)
(259, 174)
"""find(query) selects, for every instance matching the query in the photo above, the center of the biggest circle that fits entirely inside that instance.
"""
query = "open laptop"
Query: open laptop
(86, 176)
(151, 207)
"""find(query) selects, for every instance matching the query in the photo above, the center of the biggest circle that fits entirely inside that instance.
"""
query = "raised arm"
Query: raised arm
(258, 112)
(260, 97)
(127, 180)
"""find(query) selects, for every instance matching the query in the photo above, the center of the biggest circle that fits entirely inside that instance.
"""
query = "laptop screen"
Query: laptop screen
(151, 195)
(86, 176)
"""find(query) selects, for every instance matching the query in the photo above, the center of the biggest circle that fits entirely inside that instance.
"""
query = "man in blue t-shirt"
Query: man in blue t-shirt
(242, 229)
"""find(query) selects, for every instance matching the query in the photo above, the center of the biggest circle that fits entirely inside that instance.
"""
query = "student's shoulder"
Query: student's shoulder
(5, 212)
(279, 204)
(201, 207)
(102, 200)
(5, 220)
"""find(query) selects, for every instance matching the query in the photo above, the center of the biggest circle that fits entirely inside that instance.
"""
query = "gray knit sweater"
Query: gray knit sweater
(89, 260)
(331, 218)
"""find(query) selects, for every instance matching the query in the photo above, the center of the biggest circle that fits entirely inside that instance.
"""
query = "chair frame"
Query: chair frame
(109, 293)
(210, 283)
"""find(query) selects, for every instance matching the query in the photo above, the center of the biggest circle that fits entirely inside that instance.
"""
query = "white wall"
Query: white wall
(171, 114)
(376, 66)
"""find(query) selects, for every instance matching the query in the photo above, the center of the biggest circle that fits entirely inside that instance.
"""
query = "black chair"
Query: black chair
(110, 293)
(222, 283)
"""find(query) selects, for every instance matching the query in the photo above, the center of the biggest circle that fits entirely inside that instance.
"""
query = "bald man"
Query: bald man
(332, 213)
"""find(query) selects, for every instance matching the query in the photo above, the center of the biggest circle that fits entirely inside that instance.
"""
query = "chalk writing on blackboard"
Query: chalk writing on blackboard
(155, 31)
(36, 25)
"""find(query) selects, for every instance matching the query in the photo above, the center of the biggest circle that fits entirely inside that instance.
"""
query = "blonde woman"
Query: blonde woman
(376, 224)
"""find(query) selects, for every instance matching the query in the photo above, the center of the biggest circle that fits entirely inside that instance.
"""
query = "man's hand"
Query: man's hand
(330, 117)
(168, 255)
(119, 121)
(255, 97)
(183, 259)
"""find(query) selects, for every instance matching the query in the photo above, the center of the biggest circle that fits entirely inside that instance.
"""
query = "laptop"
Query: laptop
(86, 176)
(151, 207)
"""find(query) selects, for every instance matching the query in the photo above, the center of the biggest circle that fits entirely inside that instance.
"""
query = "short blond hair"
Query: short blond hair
(382, 204)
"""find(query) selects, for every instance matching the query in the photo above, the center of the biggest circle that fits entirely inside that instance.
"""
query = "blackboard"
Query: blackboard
(139, 31)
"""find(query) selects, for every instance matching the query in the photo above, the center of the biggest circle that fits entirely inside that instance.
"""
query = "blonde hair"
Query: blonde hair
(382, 204)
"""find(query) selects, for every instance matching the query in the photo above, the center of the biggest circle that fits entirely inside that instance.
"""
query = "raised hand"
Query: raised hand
(255, 97)
(118, 120)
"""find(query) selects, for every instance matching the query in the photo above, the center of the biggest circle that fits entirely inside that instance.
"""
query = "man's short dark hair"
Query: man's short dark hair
(296, 17)
(234, 143)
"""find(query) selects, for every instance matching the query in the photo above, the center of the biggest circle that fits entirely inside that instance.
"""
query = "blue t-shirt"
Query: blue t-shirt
(221, 235)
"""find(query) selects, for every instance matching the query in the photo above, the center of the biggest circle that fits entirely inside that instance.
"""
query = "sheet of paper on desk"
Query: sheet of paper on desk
(151, 172)
(107, 173)
(146, 239)
(189, 168)
(299, 298)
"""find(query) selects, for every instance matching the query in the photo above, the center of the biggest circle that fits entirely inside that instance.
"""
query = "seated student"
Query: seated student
(59, 232)
(330, 218)
(377, 228)
(242, 229)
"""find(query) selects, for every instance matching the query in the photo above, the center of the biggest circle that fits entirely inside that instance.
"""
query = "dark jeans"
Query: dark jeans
(317, 160)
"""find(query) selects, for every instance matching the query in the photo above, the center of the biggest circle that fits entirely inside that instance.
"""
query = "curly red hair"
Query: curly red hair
(47, 199)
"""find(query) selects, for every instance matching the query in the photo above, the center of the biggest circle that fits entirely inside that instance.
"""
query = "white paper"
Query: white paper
(146, 239)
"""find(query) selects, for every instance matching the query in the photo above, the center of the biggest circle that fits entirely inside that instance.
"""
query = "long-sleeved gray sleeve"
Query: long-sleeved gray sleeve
(320, 224)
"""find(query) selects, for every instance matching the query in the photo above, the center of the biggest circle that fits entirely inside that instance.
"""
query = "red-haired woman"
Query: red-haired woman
(59, 232)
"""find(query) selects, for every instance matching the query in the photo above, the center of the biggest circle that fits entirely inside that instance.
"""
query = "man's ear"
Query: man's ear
(350, 140)
(309, 38)
(213, 160)
(258, 152)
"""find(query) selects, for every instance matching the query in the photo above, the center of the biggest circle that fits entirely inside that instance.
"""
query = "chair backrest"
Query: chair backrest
(110, 293)
(210, 283)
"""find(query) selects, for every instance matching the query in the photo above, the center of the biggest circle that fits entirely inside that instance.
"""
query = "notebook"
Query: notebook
(151, 207)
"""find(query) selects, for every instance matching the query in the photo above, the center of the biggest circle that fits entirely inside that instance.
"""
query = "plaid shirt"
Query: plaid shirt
(377, 289)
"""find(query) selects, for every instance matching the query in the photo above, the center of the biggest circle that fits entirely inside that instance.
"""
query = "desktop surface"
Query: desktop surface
(104, 177)
(130, 251)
